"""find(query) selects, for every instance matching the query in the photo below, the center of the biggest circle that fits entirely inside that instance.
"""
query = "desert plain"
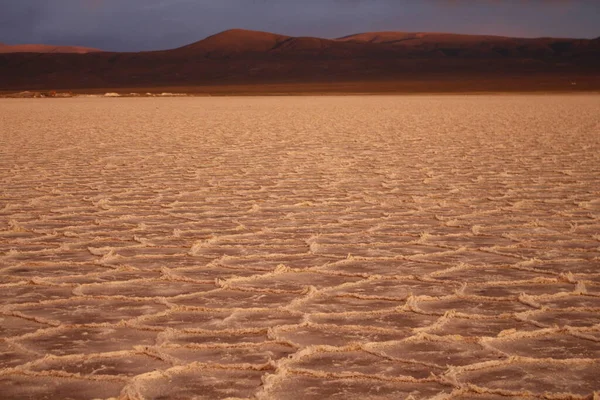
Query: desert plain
(372, 247)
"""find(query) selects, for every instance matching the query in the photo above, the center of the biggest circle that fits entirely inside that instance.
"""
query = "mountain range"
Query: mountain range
(373, 61)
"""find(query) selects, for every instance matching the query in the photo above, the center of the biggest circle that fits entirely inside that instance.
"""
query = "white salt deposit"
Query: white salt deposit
(300, 248)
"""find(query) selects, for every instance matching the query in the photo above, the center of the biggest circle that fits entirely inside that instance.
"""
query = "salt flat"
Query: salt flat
(300, 248)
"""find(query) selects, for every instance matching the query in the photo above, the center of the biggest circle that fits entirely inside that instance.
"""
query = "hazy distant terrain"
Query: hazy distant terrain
(403, 62)
(42, 48)
(300, 247)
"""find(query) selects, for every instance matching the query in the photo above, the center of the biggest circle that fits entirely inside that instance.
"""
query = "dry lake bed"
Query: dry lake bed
(400, 247)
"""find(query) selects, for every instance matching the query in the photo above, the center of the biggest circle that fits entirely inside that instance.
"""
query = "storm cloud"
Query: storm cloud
(160, 24)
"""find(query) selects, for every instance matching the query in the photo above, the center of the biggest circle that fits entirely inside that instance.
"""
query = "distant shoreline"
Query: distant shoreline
(445, 87)
(324, 94)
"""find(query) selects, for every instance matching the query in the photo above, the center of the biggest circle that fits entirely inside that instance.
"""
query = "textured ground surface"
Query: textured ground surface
(300, 248)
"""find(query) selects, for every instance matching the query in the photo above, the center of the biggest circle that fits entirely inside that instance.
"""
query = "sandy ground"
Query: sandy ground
(300, 248)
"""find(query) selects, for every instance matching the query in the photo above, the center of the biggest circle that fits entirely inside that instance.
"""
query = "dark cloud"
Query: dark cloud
(158, 24)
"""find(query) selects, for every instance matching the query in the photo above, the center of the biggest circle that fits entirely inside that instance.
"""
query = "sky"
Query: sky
(136, 25)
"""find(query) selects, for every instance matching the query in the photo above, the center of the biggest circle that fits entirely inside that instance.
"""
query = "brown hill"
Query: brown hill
(236, 41)
(393, 59)
(474, 45)
(239, 42)
(419, 38)
(43, 48)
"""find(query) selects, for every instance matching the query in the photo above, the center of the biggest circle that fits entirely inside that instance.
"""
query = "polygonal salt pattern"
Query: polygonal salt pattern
(401, 247)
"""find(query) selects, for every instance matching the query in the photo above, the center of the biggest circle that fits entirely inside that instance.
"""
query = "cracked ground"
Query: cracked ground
(416, 247)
